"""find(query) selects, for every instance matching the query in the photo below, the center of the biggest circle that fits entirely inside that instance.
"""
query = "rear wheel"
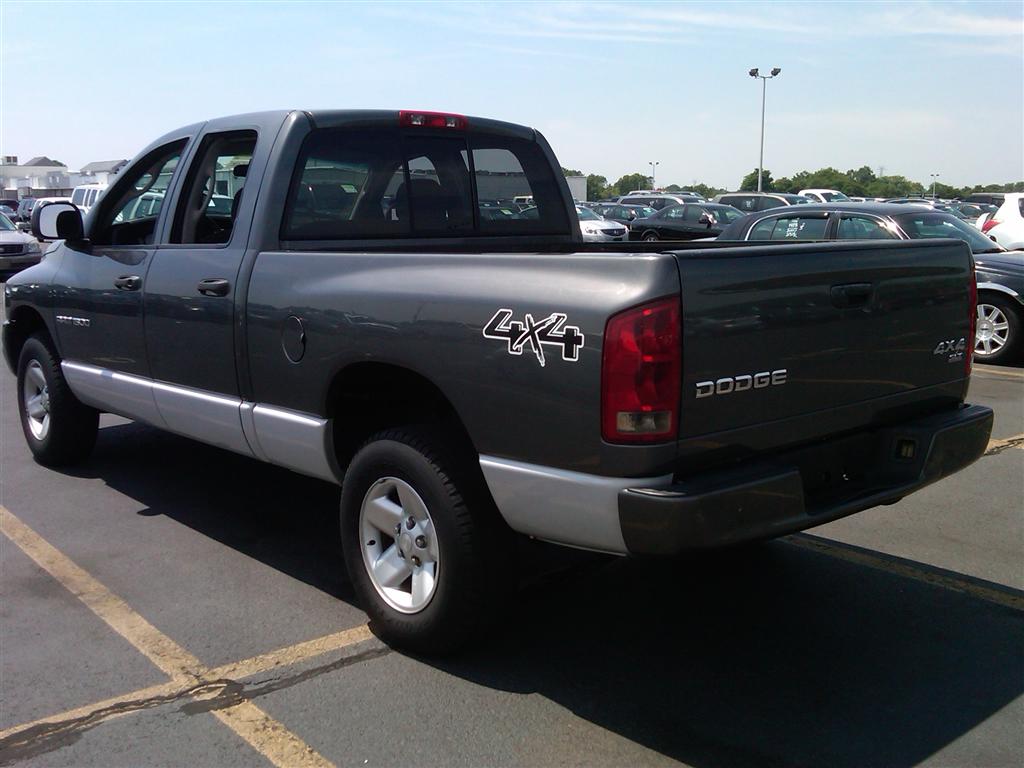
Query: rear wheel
(998, 337)
(423, 545)
(59, 430)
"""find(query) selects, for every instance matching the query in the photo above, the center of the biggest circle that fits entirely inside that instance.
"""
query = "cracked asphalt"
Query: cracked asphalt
(890, 638)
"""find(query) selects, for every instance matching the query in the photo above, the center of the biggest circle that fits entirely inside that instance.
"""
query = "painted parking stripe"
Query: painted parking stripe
(998, 446)
(1008, 597)
(993, 371)
(256, 727)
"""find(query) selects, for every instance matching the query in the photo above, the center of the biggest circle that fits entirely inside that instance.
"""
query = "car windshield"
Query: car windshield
(586, 214)
(5, 223)
(833, 196)
(927, 224)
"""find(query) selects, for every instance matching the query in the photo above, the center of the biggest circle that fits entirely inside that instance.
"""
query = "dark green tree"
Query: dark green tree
(597, 187)
(631, 181)
(749, 183)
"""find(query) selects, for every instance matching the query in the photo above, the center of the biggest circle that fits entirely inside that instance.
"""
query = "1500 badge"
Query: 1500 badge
(550, 331)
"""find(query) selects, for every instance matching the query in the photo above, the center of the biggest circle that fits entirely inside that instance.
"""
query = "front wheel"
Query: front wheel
(422, 544)
(650, 237)
(59, 430)
(998, 337)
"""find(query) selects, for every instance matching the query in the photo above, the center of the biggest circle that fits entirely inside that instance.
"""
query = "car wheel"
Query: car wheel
(59, 430)
(998, 337)
(650, 236)
(423, 546)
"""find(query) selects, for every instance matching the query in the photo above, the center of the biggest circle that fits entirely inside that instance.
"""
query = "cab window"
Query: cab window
(789, 228)
(862, 228)
(125, 219)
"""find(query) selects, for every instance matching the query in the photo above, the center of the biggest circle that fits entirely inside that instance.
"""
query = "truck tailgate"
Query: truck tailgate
(778, 332)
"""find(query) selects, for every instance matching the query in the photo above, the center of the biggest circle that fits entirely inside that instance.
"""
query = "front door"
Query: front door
(99, 286)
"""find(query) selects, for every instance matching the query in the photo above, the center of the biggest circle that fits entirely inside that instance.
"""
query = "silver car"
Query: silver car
(598, 230)
(17, 249)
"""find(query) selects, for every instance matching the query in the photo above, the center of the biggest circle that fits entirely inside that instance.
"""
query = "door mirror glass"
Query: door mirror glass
(57, 221)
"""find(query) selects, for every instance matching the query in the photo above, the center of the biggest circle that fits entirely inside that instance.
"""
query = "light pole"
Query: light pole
(764, 88)
(654, 167)
(934, 177)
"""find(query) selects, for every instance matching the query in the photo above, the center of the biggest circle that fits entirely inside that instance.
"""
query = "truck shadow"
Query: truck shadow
(774, 655)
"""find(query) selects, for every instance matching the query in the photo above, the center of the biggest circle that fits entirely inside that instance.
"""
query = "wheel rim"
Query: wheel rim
(399, 545)
(650, 238)
(36, 396)
(993, 330)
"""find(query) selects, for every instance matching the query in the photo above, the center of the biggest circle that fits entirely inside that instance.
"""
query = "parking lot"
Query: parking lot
(172, 604)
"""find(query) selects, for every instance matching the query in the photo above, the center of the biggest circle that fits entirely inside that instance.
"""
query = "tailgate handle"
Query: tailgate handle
(851, 295)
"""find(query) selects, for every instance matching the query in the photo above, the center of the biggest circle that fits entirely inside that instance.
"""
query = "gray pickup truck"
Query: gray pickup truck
(333, 292)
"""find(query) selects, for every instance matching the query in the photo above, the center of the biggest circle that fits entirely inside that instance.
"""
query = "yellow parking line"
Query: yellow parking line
(293, 654)
(998, 446)
(257, 728)
(998, 372)
(1008, 597)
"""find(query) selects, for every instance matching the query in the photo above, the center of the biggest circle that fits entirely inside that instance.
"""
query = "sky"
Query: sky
(910, 88)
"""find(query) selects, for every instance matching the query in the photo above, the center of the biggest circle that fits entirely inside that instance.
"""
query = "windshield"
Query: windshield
(586, 214)
(725, 213)
(926, 224)
(832, 196)
(5, 223)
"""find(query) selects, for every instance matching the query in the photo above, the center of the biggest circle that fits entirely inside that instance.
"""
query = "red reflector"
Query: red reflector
(972, 325)
(431, 120)
(988, 225)
(640, 374)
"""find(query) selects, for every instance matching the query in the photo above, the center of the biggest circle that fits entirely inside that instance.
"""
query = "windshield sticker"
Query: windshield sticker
(550, 331)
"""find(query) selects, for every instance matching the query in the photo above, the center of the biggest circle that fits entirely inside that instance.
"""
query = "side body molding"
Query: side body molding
(297, 441)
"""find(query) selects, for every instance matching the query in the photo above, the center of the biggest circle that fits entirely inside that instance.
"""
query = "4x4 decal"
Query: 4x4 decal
(550, 331)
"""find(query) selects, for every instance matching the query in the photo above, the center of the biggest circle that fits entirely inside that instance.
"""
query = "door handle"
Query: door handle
(851, 295)
(128, 283)
(214, 286)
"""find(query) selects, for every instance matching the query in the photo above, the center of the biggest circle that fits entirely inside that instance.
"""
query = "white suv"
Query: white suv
(86, 195)
(824, 195)
(1006, 226)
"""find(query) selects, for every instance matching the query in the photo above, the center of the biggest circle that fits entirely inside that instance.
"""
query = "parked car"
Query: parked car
(1006, 224)
(824, 195)
(466, 380)
(24, 212)
(748, 202)
(684, 222)
(596, 229)
(998, 331)
(621, 213)
(17, 249)
(9, 211)
(1000, 334)
(992, 198)
(86, 195)
(658, 201)
(971, 212)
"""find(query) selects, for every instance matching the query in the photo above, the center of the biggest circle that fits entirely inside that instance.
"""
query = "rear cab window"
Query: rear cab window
(355, 184)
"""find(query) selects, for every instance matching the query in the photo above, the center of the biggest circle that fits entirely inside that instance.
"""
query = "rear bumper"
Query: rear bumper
(802, 488)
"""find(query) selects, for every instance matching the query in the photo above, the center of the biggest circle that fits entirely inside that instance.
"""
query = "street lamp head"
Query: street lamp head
(753, 72)
(776, 71)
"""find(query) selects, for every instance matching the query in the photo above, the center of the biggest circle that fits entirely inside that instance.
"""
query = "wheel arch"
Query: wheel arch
(22, 323)
(367, 397)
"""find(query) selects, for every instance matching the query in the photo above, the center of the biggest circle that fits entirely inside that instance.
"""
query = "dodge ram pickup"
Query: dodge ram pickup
(320, 290)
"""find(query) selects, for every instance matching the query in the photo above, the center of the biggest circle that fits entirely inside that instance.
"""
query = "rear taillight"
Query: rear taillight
(972, 323)
(640, 374)
(408, 119)
(988, 225)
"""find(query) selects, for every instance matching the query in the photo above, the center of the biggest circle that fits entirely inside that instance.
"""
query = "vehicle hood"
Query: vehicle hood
(1010, 262)
(8, 237)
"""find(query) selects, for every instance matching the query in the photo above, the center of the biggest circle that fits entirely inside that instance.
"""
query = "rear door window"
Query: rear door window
(862, 228)
(790, 228)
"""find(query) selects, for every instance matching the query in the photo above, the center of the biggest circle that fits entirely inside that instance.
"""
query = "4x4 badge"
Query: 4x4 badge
(548, 331)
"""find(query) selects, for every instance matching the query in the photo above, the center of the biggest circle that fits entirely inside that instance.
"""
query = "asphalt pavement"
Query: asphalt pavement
(172, 604)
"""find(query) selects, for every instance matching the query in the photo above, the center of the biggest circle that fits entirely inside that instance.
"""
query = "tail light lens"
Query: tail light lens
(640, 374)
(972, 324)
(988, 225)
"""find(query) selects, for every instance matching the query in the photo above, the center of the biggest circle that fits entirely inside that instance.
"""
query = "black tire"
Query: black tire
(651, 236)
(1011, 350)
(70, 434)
(473, 541)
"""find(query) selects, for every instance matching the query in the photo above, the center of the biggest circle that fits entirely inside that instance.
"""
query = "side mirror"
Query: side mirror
(706, 220)
(57, 221)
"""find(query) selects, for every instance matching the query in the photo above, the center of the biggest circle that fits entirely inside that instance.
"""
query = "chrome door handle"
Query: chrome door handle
(128, 283)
